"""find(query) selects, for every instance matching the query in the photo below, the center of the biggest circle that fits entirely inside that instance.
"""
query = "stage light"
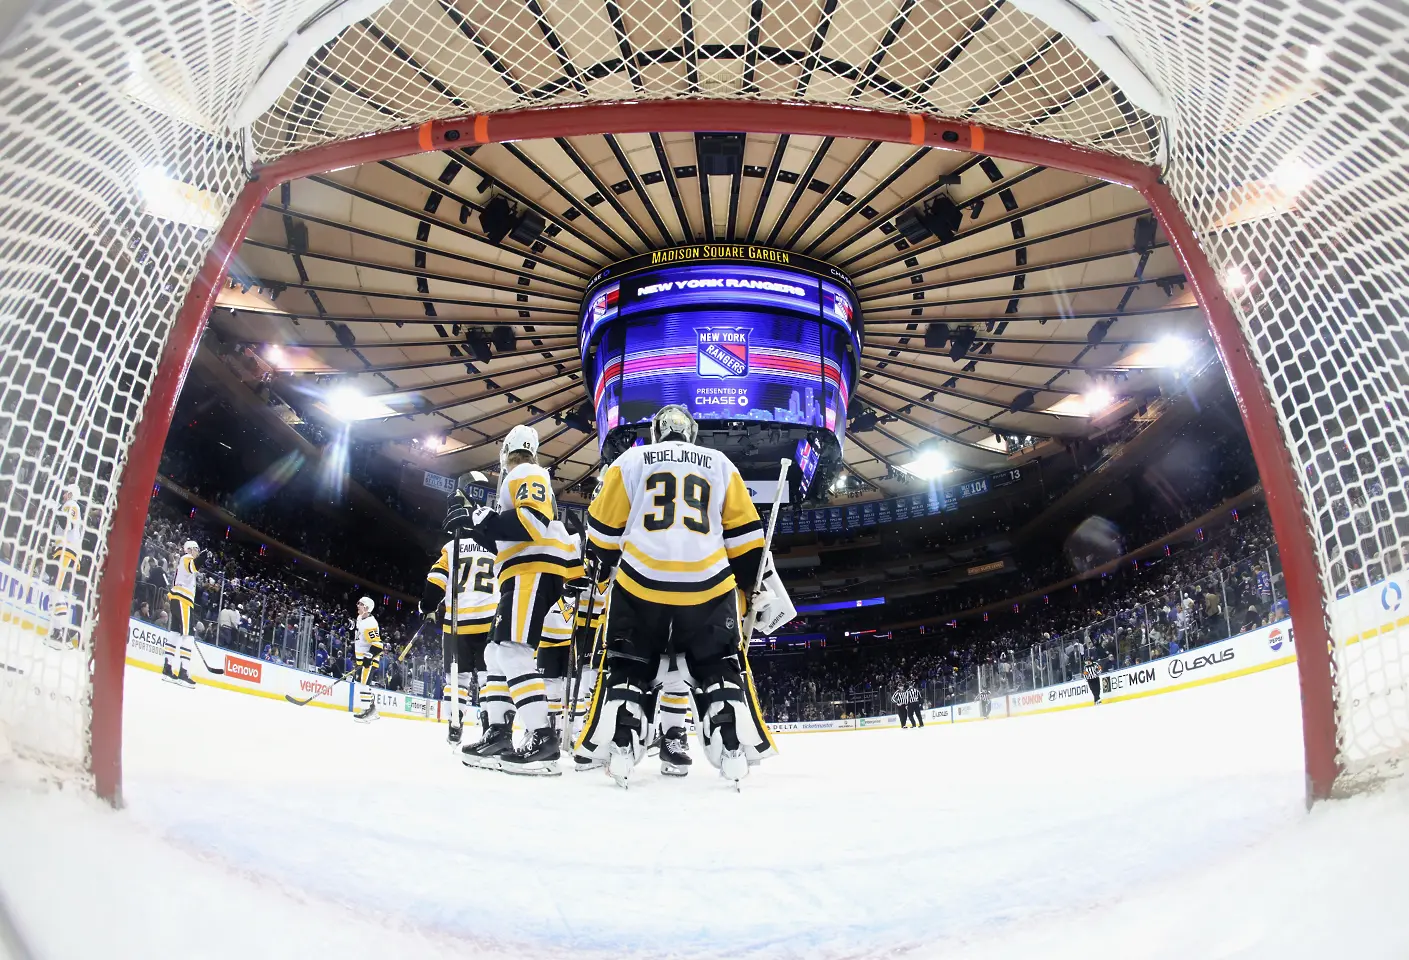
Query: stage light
(274, 354)
(1235, 280)
(928, 465)
(580, 419)
(1175, 351)
(347, 403)
(1097, 399)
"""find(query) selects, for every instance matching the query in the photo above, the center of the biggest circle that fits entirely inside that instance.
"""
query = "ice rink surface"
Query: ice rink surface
(1170, 826)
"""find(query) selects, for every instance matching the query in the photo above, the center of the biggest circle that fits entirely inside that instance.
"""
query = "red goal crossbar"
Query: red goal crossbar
(1279, 477)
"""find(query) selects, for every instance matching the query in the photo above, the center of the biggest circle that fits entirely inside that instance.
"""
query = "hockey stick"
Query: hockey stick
(452, 680)
(217, 671)
(303, 703)
(752, 615)
(576, 686)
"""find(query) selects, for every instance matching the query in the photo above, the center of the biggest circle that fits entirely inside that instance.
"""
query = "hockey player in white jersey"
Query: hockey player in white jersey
(368, 647)
(475, 603)
(676, 521)
(180, 600)
(67, 544)
(534, 556)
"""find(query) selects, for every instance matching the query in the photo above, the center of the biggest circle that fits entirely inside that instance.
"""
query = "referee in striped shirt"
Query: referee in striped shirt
(1092, 672)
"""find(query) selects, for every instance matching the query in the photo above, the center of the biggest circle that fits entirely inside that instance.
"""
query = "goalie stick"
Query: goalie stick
(752, 616)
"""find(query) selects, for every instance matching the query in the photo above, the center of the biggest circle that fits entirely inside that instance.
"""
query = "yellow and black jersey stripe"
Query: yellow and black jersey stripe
(677, 522)
(527, 538)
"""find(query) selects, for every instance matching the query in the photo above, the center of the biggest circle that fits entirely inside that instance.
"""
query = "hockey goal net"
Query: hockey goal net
(1268, 137)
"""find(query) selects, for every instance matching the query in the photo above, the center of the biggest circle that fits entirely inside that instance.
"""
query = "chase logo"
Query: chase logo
(722, 352)
(1392, 596)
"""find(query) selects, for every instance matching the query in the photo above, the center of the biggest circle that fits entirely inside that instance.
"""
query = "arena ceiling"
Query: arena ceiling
(371, 278)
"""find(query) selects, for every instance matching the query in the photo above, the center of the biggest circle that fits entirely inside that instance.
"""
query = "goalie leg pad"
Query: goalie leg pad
(617, 714)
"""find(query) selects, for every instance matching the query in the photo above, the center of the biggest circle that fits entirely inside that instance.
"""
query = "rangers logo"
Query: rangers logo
(723, 352)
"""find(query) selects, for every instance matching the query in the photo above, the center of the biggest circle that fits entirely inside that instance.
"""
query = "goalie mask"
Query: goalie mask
(521, 438)
(673, 420)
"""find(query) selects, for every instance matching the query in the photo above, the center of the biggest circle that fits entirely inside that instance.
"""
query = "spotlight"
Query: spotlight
(1234, 279)
(345, 335)
(929, 464)
(1097, 333)
(1174, 351)
(1097, 399)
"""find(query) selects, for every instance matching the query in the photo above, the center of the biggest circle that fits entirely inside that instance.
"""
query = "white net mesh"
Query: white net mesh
(112, 172)
(1285, 146)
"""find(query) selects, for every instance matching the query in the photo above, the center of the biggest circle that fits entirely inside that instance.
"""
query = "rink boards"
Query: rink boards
(263, 679)
(1372, 622)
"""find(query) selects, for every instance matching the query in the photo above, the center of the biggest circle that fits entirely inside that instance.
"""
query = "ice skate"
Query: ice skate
(452, 733)
(675, 753)
(498, 739)
(184, 678)
(653, 747)
(538, 757)
(367, 715)
(583, 764)
(181, 680)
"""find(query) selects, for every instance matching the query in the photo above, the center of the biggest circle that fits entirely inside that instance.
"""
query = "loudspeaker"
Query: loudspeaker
(528, 228)
(942, 217)
(960, 342)
(1022, 401)
(504, 339)
(911, 225)
(1144, 234)
(497, 219)
(477, 342)
(721, 154)
(936, 336)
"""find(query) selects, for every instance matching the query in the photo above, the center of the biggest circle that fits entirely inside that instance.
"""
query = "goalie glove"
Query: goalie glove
(771, 604)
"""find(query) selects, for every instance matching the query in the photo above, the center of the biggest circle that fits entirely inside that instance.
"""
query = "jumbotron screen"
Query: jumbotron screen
(730, 332)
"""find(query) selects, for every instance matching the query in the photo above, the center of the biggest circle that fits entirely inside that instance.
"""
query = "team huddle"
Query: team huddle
(600, 646)
(646, 618)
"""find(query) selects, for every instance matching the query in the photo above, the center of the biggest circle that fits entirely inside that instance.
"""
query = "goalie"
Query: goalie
(676, 521)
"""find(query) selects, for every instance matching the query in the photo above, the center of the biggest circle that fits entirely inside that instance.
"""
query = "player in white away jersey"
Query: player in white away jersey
(368, 647)
(67, 544)
(677, 522)
(181, 600)
(534, 556)
(475, 603)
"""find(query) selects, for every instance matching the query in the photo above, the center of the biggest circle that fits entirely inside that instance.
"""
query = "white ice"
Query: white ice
(1171, 826)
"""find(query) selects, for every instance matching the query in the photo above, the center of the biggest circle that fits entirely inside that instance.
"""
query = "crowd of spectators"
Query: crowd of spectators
(1214, 588)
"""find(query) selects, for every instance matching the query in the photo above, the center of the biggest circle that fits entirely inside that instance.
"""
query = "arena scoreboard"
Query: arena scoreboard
(738, 334)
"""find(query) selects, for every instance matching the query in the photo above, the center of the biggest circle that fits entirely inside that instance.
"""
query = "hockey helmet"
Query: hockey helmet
(523, 437)
(367, 604)
(673, 420)
(71, 491)
(192, 547)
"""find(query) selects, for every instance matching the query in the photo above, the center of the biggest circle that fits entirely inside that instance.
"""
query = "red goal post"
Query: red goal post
(1291, 520)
